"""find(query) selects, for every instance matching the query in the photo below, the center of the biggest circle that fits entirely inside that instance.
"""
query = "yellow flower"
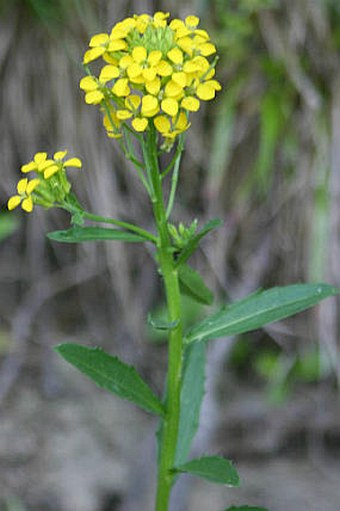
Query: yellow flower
(38, 164)
(111, 123)
(91, 86)
(25, 189)
(50, 185)
(153, 68)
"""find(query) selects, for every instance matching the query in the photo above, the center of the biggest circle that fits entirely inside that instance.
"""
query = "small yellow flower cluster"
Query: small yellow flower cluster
(49, 185)
(154, 71)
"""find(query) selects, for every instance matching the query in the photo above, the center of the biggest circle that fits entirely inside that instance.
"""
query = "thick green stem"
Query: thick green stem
(169, 435)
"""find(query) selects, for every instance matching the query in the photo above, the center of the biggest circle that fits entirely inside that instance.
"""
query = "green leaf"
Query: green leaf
(159, 324)
(213, 468)
(111, 374)
(192, 285)
(191, 246)
(246, 508)
(259, 309)
(80, 234)
(191, 398)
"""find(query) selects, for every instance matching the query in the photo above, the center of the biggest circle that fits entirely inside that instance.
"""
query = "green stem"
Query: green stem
(168, 441)
(174, 179)
(125, 225)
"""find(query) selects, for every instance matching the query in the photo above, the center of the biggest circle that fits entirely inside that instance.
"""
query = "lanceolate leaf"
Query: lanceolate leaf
(191, 399)
(246, 508)
(191, 246)
(192, 285)
(260, 309)
(81, 234)
(111, 374)
(213, 468)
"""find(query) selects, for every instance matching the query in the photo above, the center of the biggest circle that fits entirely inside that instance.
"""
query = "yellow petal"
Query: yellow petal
(21, 186)
(210, 74)
(190, 103)
(93, 54)
(202, 63)
(139, 124)
(138, 79)
(98, 40)
(191, 66)
(108, 73)
(207, 49)
(125, 61)
(88, 83)
(13, 202)
(182, 123)
(154, 57)
(40, 157)
(28, 167)
(94, 97)
(149, 74)
(150, 106)
(44, 164)
(73, 162)
(121, 87)
(159, 19)
(161, 15)
(163, 68)
(180, 79)
(205, 91)
(124, 114)
(32, 185)
(192, 21)
(153, 87)
(139, 54)
(118, 33)
(59, 155)
(215, 84)
(112, 134)
(142, 22)
(132, 102)
(182, 32)
(27, 204)
(162, 124)
(50, 171)
(170, 106)
(117, 45)
(110, 60)
(186, 44)
(175, 55)
(134, 70)
(175, 24)
(202, 33)
(126, 25)
(172, 89)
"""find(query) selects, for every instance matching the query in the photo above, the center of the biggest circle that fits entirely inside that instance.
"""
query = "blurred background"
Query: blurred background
(264, 157)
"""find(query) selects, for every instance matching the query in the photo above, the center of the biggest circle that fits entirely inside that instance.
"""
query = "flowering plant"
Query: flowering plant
(153, 76)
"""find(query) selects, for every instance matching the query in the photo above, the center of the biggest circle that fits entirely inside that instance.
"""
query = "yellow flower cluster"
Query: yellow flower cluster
(49, 185)
(153, 71)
